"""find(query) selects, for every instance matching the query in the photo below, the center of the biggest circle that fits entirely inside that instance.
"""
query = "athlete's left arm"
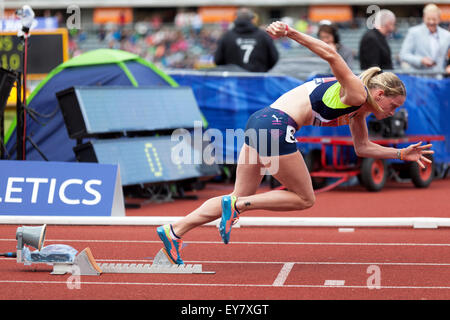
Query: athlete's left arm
(353, 92)
(366, 149)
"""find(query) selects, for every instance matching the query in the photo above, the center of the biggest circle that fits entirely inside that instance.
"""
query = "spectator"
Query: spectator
(328, 33)
(374, 51)
(447, 69)
(246, 45)
(426, 45)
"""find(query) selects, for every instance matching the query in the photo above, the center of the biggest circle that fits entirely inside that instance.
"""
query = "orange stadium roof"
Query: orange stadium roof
(445, 12)
(217, 14)
(334, 13)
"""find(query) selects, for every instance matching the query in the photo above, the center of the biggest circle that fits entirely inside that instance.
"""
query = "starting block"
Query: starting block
(64, 260)
(85, 264)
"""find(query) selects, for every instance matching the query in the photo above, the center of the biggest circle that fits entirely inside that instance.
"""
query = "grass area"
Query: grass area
(9, 117)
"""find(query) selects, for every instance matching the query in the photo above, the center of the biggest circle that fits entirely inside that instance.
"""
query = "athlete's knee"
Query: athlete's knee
(311, 200)
(307, 201)
(239, 194)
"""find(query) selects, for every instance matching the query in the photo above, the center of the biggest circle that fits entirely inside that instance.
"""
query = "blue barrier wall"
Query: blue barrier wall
(227, 102)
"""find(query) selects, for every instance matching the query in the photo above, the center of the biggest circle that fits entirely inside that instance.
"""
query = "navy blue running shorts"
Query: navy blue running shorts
(271, 132)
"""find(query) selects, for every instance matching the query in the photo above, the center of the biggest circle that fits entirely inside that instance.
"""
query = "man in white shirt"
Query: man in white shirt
(426, 45)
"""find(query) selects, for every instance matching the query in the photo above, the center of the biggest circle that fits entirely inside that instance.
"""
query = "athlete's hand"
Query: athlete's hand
(277, 29)
(416, 152)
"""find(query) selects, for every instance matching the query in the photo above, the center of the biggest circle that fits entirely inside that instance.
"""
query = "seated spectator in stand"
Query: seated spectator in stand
(246, 45)
(447, 69)
(328, 33)
(374, 50)
(426, 45)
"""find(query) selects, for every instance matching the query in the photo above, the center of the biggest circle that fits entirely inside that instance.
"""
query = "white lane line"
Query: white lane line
(284, 273)
(346, 230)
(219, 285)
(424, 264)
(256, 242)
(334, 283)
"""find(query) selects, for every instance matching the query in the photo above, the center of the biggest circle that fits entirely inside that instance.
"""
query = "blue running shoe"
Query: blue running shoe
(229, 217)
(172, 246)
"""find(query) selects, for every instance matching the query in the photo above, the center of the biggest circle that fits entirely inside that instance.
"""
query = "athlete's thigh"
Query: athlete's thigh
(249, 172)
(291, 171)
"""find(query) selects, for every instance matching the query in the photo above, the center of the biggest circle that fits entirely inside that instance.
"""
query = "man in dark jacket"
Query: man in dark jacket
(246, 45)
(374, 51)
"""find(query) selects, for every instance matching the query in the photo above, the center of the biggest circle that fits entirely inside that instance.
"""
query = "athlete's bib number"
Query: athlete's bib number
(290, 131)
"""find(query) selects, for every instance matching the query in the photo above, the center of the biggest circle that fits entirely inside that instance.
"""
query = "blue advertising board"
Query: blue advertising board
(39, 23)
(41, 188)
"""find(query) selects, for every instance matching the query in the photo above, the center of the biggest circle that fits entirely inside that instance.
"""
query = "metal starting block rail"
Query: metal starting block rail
(149, 268)
(63, 260)
(85, 264)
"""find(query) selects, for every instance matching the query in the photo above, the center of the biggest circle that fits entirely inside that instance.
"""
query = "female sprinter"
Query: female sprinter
(346, 99)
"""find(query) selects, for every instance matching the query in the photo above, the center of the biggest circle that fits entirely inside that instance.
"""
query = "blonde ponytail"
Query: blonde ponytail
(387, 81)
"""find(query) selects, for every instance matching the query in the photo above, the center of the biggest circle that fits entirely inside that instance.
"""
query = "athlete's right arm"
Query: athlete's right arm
(354, 92)
(366, 149)
(363, 146)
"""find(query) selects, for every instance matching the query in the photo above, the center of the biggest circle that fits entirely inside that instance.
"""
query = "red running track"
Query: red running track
(261, 263)
(394, 200)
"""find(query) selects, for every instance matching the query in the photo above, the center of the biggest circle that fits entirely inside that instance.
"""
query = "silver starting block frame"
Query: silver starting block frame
(84, 264)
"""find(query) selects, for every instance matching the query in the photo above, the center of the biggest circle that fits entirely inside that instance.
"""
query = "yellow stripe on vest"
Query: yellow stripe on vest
(332, 99)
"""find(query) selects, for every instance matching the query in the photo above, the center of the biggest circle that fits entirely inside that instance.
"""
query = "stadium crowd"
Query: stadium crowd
(185, 43)
(165, 45)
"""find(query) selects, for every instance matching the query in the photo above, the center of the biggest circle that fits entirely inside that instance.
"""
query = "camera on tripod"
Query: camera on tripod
(19, 76)
(26, 15)
(392, 127)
